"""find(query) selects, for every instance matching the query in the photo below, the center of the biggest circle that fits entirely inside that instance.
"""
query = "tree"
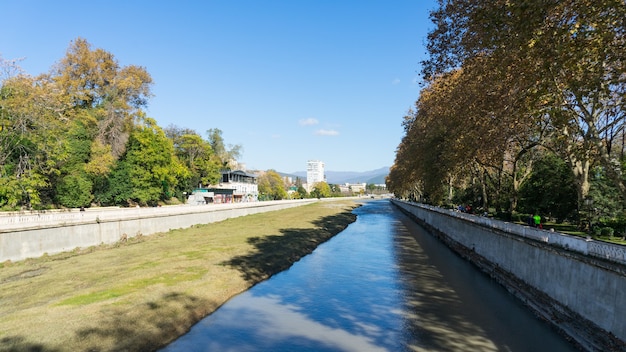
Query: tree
(550, 190)
(197, 155)
(116, 188)
(571, 59)
(271, 186)
(29, 139)
(64, 129)
(74, 190)
(73, 183)
(227, 155)
(153, 169)
(321, 190)
(78, 134)
(335, 190)
(583, 84)
(300, 188)
(101, 92)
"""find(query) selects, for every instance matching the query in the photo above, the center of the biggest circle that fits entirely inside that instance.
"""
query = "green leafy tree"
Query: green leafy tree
(550, 190)
(116, 189)
(73, 185)
(302, 192)
(153, 166)
(335, 190)
(30, 146)
(321, 190)
(227, 155)
(300, 188)
(66, 128)
(272, 186)
(606, 207)
(197, 155)
(74, 190)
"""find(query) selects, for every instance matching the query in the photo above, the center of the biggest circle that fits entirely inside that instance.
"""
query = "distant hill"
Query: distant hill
(340, 177)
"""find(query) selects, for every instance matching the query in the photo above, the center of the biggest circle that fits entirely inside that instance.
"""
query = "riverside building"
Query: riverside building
(314, 173)
(235, 187)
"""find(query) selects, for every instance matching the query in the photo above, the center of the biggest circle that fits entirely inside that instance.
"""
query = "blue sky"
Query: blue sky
(289, 81)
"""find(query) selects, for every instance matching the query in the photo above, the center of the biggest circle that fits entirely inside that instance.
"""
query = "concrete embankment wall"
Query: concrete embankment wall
(29, 235)
(577, 284)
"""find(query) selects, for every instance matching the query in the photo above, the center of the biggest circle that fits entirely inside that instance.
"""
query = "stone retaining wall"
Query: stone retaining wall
(578, 285)
(29, 235)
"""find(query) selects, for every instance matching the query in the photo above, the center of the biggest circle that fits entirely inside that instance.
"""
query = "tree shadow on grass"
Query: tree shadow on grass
(276, 253)
(19, 344)
(150, 327)
(155, 324)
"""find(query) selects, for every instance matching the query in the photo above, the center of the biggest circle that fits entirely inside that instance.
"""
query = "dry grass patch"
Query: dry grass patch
(145, 292)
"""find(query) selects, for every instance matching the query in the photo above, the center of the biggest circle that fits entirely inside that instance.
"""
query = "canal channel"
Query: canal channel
(383, 284)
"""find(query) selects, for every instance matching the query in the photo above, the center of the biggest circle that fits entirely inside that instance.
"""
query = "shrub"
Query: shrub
(606, 231)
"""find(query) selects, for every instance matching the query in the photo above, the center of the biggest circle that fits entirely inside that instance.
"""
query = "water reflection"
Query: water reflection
(266, 323)
(381, 285)
(436, 313)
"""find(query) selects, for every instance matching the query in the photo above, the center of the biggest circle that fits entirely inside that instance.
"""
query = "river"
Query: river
(383, 284)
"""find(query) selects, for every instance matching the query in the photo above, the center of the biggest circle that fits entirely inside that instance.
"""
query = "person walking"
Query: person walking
(537, 220)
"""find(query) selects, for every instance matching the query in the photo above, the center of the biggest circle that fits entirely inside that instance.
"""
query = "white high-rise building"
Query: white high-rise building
(314, 173)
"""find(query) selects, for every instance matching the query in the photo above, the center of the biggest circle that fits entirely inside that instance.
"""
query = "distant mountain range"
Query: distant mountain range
(340, 177)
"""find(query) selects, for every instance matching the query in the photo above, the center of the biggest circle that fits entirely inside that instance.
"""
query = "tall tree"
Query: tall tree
(153, 168)
(74, 185)
(102, 92)
(226, 154)
(197, 155)
(29, 139)
(573, 66)
(63, 133)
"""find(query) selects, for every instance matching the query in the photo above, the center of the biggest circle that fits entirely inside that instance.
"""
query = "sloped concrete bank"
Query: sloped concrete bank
(577, 285)
(52, 233)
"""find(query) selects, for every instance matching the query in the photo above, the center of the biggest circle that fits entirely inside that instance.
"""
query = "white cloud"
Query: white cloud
(324, 132)
(309, 122)
(395, 81)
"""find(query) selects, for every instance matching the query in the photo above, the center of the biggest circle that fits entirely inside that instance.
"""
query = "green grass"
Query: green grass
(574, 230)
(143, 293)
(167, 279)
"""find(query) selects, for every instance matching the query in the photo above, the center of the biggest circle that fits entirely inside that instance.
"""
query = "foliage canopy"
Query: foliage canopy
(78, 135)
(509, 88)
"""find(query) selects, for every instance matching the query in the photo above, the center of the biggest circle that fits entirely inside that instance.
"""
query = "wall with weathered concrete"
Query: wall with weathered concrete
(576, 283)
(29, 235)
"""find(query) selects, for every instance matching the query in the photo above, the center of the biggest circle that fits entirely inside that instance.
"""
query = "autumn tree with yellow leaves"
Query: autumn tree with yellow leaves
(507, 82)
(79, 135)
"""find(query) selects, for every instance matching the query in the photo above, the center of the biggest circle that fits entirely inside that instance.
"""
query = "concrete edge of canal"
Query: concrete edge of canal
(54, 233)
(579, 294)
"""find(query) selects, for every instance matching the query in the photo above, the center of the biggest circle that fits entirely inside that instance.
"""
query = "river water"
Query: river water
(383, 284)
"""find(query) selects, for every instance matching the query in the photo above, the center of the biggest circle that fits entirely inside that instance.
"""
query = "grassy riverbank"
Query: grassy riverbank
(142, 294)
